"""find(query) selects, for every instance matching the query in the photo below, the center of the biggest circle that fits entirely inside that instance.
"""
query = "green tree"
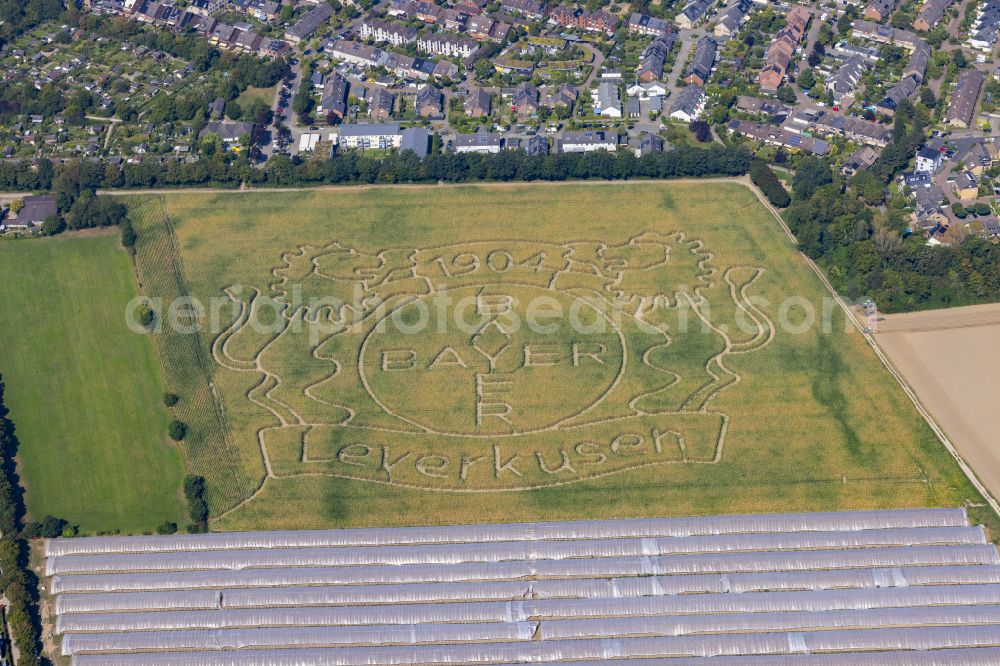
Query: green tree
(177, 430)
(484, 69)
(806, 79)
(927, 97)
(146, 316)
(811, 174)
(869, 187)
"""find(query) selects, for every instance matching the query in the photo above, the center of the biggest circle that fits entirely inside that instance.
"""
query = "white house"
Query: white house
(480, 142)
(647, 90)
(370, 135)
(607, 100)
(688, 104)
(928, 160)
(585, 142)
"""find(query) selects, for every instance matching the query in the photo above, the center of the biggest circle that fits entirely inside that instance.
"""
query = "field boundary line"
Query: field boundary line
(937, 429)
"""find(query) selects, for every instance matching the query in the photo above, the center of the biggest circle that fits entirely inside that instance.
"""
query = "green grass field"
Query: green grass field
(84, 393)
(692, 397)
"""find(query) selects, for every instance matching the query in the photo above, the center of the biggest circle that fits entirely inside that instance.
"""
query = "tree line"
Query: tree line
(73, 179)
(17, 580)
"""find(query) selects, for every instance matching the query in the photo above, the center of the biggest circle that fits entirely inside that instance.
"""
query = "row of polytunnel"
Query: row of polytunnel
(590, 529)
(945, 657)
(416, 634)
(519, 611)
(885, 588)
(341, 595)
(779, 643)
(403, 570)
(512, 550)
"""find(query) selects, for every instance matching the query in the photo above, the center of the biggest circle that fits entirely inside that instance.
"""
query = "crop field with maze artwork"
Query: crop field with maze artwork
(460, 354)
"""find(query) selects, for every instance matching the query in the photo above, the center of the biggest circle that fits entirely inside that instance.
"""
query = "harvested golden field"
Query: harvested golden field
(406, 355)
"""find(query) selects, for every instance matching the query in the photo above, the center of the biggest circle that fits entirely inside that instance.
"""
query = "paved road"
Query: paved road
(688, 39)
(598, 62)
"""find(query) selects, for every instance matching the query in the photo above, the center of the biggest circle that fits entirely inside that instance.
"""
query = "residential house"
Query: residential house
(429, 102)
(262, 10)
(652, 59)
(647, 90)
(966, 186)
(930, 13)
(646, 143)
(879, 10)
(733, 18)
(34, 211)
(916, 180)
(357, 53)
(447, 45)
(524, 100)
(963, 101)
(381, 103)
(529, 8)
(928, 160)
(607, 100)
(859, 160)
(843, 82)
(479, 142)
(693, 13)
(587, 141)
(778, 136)
(599, 21)
(370, 135)
(904, 89)
(761, 105)
(480, 26)
(703, 61)
(537, 145)
(230, 132)
(928, 210)
(385, 32)
(782, 49)
(415, 139)
(688, 103)
(986, 26)
(855, 129)
(310, 23)
(333, 100)
(477, 103)
(977, 160)
(644, 24)
(884, 34)
(564, 94)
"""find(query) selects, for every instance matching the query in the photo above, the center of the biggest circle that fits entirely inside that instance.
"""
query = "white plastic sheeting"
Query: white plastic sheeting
(593, 529)
(925, 638)
(919, 588)
(512, 590)
(517, 611)
(489, 575)
(492, 553)
(513, 550)
(945, 657)
(680, 625)
(298, 637)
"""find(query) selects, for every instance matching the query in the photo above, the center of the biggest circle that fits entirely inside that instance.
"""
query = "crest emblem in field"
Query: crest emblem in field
(489, 365)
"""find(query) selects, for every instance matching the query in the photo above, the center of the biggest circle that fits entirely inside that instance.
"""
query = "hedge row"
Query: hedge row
(16, 578)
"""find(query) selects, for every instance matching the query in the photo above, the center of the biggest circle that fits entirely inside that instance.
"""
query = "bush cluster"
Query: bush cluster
(764, 178)
(194, 491)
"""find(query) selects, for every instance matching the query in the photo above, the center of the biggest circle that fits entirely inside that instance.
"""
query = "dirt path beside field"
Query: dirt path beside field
(951, 359)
